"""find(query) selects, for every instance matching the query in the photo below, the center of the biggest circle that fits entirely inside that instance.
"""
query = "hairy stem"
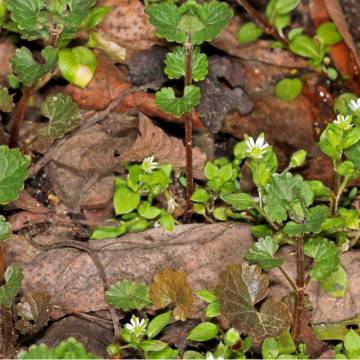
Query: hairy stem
(300, 284)
(188, 130)
(19, 114)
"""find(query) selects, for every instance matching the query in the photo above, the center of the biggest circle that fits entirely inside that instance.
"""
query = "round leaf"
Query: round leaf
(203, 332)
(288, 89)
(125, 200)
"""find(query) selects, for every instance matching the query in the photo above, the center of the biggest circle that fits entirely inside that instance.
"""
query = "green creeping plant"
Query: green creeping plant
(350, 349)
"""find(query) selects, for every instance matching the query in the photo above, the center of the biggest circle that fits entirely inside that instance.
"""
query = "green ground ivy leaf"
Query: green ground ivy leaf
(27, 70)
(241, 287)
(286, 193)
(166, 100)
(203, 21)
(175, 64)
(6, 100)
(13, 172)
(25, 14)
(63, 115)
(326, 257)
(262, 253)
(5, 229)
(13, 277)
(128, 295)
(312, 224)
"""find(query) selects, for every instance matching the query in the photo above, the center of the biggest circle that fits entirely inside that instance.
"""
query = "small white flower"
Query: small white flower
(148, 164)
(136, 327)
(354, 104)
(256, 149)
(344, 122)
(210, 356)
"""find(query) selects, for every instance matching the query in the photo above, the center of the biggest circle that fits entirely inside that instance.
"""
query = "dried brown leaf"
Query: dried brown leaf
(170, 287)
(241, 287)
(34, 310)
(166, 149)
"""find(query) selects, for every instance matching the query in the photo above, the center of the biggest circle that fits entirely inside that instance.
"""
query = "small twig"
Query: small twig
(99, 116)
(288, 278)
(261, 21)
(90, 251)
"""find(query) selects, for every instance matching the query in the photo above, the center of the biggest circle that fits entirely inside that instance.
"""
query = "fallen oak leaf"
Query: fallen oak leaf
(170, 287)
(241, 287)
(166, 149)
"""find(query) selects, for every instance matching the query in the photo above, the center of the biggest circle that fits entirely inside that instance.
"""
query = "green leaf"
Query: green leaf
(108, 232)
(175, 64)
(353, 154)
(200, 196)
(213, 309)
(191, 354)
(297, 159)
(288, 89)
(13, 277)
(320, 190)
(25, 14)
(248, 32)
(166, 353)
(72, 349)
(350, 217)
(199, 209)
(128, 295)
(281, 22)
(336, 284)
(352, 344)
(211, 171)
(226, 172)
(166, 100)
(351, 137)
(95, 16)
(346, 168)
(304, 46)
(158, 323)
(27, 70)
(312, 224)
(125, 200)
(285, 6)
(167, 222)
(326, 257)
(328, 34)
(13, 172)
(240, 201)
(63, 115)
(262, 253)
(294, 32)
(6, 100)
(341, 104)
(147, 211)
(206, 295)
(203, 332)
(5, 229)
(220, 213)
(260, 231)
(153, 345)
(270, 348)
(40, 351)
(77, 65)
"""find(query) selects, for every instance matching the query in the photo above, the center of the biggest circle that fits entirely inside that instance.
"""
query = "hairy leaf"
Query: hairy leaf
(326, 257)
(27, 69)
(63, 115)
(336, 284)
(5, 229)
(13, 277)
(13, 172)
(34, 310)
(202, 21)
(312, 224)
(128, 295)
(241, 287)
(285, 194)
(171, 287)
(6, 100)
(168, 102)
(262, 253)
(240, 201)
(175, 64)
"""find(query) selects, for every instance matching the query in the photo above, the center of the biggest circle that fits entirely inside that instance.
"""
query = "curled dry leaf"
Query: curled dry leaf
(241, 287)
(170, 287)
(34, 310)
(166, 149)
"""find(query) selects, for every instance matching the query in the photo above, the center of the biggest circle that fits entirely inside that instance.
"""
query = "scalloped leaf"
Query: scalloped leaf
(241, 287)
(168, 102)
(6, 100)
(202, 21)
(175, 64)
(5, 229)
(13, 277)
(13, 172)
(128, 295)
(326, 257)
(262, 253)
(63, 115)
(172, 287)
(27, 70)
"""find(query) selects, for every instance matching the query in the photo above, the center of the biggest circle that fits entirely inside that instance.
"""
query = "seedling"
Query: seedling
(190, 25)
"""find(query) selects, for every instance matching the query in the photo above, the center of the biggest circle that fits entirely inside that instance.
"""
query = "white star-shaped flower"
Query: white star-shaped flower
(148, 164)
(354, 105)
(256, 149)
(344, 122)
(136, 327)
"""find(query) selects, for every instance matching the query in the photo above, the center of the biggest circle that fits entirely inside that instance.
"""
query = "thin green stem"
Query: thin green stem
(288, 278)
(340, 191)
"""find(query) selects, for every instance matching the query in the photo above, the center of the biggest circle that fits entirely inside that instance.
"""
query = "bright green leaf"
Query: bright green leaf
(200, 196)
(5, 229)
(6, 100)
(336, 284)
(328, 34)
(147, 211)
(304, 46)
(158, 323)
(248, 32)
(125, 200)
(240, 201)
(288, 89)
(285, 6)
(13, 277)
(203, 332)
(167, 222)
(95, 16)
